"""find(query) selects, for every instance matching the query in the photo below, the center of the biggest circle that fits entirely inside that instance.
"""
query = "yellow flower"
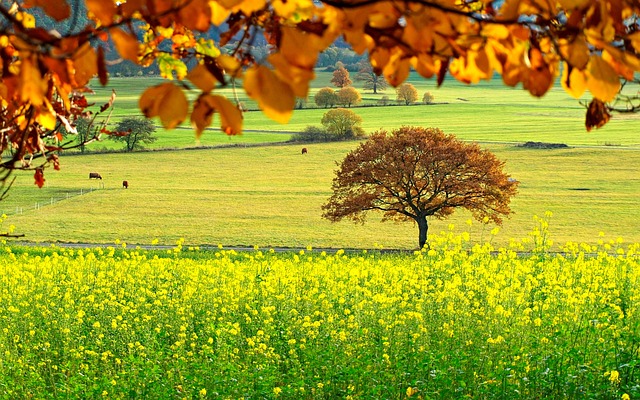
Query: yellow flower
(277, 391)
(411, 391)
(625, 397)
(614, 376)
(203, 392)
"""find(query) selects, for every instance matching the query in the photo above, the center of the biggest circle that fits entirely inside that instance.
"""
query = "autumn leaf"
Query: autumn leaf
(39, 177)
(273, 95)
(597, 115)
(103, 75)
(32, 86)
(166, 101)
(85, 63)
(602, 80)
(104, 11)
(205, 108)
(196, 15)
(573, 81)
(298, 78)
(202, 78)
(46, 118)
(57, 10)
(126, 44)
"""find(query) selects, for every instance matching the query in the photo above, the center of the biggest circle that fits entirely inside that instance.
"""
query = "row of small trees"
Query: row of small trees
(347, 96)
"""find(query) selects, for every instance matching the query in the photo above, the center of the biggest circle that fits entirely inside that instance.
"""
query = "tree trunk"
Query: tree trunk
(423, 227)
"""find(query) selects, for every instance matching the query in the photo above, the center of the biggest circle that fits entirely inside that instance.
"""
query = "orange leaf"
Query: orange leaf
(202, 78)
(196, 15)
(102, 10)
(201, 115)
(126, 44)
(166, 101)
(273, 95)
(602, 80)
(57, 10)
(230, 115)
(85, 63)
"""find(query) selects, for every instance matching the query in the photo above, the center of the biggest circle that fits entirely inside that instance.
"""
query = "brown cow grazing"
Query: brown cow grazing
(125, 184)
(94, 175)
(304, 150)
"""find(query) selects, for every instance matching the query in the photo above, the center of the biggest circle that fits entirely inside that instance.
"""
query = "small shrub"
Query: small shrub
(428, 98)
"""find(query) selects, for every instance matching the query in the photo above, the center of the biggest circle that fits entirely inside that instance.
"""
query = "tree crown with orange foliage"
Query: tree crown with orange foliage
(414, 173)
(591, 45)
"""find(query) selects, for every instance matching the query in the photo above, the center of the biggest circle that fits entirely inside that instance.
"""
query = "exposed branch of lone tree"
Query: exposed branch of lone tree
(589, 45)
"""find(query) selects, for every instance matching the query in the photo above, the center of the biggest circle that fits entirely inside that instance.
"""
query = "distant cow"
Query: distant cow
(94, 175)
(304, 150)
(125, 184)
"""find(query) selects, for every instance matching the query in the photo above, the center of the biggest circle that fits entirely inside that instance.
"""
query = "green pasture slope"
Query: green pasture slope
(271, 196)
(488, 112)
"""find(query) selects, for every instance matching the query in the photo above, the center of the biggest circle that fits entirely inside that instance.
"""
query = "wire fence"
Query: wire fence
(18, 210)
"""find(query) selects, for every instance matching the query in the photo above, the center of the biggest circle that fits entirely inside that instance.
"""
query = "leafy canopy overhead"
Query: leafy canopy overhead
(591, 45)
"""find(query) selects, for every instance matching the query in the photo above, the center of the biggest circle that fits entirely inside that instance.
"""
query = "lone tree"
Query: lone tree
(341, 76)
(326, 97)
(348, 96)
(134, 132)
(414, 173)
(407, 94)
(343, 123)
(372, 81)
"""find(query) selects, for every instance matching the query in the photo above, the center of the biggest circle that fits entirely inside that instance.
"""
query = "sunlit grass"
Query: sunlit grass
(271, 196)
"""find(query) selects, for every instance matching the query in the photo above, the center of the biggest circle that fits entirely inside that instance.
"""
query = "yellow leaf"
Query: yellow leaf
(230, 65)
(425, 65)
(576, 51)
(219, 13)
(298, 78)
(602, 80)
(300, 48)
(495, 31)
(32, 87)
(85, 62)
(126, 44)
(250, 6)
(397, 69)
(57, 10)
(274, 96)
(47, 119)
(574, 83)
(166, 101)
(102, 10)
(202, 78)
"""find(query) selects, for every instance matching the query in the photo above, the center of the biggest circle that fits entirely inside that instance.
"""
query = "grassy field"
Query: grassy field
(271, 196)
(443, 324)
(488, 111)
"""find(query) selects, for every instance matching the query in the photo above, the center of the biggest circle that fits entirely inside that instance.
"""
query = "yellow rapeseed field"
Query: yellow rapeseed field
(455, 321)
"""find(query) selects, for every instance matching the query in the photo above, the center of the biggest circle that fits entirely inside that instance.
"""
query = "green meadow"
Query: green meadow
(256, 189)
(271, 196)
